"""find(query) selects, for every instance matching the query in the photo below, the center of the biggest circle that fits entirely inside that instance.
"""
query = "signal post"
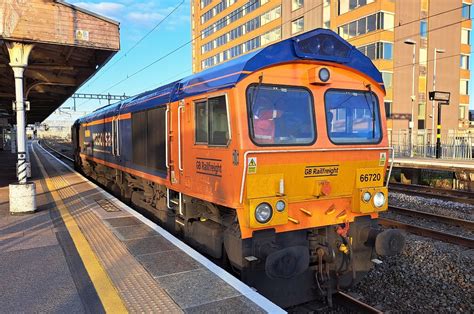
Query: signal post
(443, 99)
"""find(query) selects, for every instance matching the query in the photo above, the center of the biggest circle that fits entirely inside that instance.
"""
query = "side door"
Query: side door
(209, 150)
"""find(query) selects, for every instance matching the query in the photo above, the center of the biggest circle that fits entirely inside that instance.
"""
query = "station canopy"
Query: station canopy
(70, 45)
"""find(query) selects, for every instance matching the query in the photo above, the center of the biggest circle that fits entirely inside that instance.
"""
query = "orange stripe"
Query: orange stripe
(137, 173)
(124, 116)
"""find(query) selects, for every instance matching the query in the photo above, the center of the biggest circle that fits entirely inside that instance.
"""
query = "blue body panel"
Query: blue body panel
(231, 72)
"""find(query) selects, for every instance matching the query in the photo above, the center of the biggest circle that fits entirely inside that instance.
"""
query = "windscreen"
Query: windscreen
(280, 115)
(352, 117)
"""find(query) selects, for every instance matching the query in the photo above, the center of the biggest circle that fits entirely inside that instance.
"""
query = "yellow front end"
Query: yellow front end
(313, 194)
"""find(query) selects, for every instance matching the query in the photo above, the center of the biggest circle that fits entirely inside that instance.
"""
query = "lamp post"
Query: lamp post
(411, 124)
(436, 51)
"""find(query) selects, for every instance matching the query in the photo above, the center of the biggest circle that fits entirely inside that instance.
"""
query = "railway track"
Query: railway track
(354, 305)
(54, 151)
(466, 224)
(427, 191)
(426, 232)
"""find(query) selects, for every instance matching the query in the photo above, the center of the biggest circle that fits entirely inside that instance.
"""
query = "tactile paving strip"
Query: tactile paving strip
(107, 205)
(140, 292)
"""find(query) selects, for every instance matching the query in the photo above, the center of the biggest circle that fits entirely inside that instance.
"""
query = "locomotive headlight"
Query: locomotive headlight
(263, 213)
(280, 205)
(366, 197)
(379, 199)
(324, 75)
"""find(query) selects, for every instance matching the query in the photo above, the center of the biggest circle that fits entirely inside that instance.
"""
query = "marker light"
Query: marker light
(379, 199)
(280, 205)
(324, 75)
(263, 213)
(366, 197)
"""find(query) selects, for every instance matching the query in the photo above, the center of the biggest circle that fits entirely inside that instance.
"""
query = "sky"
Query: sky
(137, 18)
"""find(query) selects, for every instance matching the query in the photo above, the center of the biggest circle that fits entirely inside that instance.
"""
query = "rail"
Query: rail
(353, 304)
(42, 143)
(425, 232)
(445, 194)
(467, 224)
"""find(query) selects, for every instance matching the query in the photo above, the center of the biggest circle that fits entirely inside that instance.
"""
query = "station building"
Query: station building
(387, 31)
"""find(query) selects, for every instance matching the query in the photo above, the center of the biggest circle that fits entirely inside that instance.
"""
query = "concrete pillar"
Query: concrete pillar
(22, 194)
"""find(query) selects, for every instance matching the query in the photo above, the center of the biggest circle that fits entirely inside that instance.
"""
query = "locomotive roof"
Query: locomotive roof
(318, 44)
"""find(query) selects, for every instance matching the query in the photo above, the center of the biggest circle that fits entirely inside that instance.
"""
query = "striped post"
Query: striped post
(438, 133)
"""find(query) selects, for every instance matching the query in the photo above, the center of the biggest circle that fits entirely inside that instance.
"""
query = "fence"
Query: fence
(455, 144)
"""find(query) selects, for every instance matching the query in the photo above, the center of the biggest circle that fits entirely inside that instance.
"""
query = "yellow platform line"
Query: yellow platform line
(104, 287)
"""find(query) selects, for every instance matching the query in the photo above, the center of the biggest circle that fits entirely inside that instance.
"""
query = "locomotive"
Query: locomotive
(273, 163)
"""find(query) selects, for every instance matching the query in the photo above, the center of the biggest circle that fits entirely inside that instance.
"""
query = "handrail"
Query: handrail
(167, 135)
(180, 162)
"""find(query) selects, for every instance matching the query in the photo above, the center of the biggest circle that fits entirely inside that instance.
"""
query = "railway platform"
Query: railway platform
(434, 164)
(85, 251)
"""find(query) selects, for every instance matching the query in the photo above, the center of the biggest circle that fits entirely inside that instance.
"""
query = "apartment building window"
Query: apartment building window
(465, 34)
(231, 17)
(296, 4)
(465, 62)
(252, 44)
(345, 6)
(297, 25)
(464, 87)
(381, 20)
(271, 36)
(379, 50)
(388, 109)
(237, 32)
(466, 11)
(462, 112)
(387, 79)
(205, 3)
(423, 29)
(218, 8)
(252, 25)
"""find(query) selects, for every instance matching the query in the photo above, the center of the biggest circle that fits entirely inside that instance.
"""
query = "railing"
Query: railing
(455, 144)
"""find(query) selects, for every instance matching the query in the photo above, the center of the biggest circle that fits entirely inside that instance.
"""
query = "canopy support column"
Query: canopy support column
(22, 194)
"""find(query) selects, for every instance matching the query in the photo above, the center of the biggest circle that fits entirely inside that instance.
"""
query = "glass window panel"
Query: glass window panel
(352, 29)
(387, 79)
(352, 117)
(201, 122)
(371, 51)
(465, 34)
(423, 29)
(371, 23)
(297, 26)
(465, 62)
(281, 115)
(218, 122)
(388, 21)
(388, 109)
(388, 51)
(464, 87)
(466, 11)
(296, 4)
(362, 26)
(343, 6)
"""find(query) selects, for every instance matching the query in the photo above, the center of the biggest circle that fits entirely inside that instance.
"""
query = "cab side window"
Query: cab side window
(211, 121)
